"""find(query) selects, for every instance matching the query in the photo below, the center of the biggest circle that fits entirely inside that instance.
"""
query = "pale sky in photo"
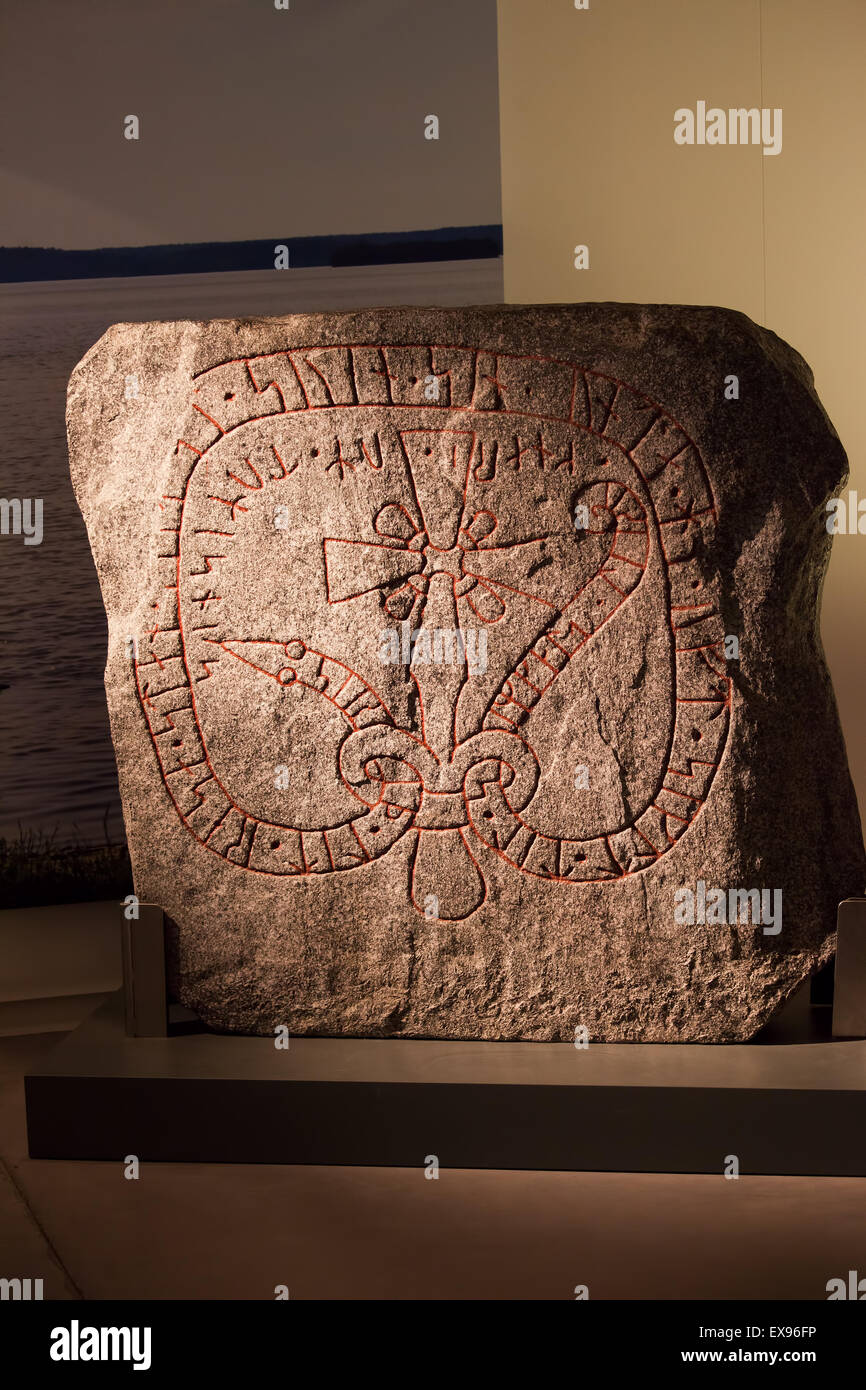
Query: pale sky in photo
(255, 122)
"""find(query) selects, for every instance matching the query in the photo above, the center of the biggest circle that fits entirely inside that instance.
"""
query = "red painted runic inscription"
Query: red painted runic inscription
(526, 499)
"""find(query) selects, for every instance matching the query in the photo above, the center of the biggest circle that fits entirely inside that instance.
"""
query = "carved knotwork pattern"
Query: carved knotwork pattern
(412, 512)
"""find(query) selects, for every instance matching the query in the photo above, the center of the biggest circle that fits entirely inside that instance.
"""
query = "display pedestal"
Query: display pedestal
(791, 1101)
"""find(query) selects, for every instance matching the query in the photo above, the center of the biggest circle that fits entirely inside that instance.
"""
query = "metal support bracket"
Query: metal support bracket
(144, 985)
(849, 993)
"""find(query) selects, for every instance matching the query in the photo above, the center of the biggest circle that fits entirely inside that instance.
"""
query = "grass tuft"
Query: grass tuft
(36, 871)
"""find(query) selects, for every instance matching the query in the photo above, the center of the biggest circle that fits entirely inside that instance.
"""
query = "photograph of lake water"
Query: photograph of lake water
(177, 212)
(57, 767)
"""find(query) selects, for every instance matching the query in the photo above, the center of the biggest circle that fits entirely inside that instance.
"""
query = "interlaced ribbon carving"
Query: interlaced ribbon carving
(439, 562)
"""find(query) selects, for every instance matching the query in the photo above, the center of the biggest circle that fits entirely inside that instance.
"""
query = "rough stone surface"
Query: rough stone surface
(490, 847)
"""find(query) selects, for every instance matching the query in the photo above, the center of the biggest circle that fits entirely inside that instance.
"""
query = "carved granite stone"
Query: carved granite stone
(463, 668)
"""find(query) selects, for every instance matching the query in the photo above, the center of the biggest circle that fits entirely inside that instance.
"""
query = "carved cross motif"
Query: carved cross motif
(445, 550)
(438, 565)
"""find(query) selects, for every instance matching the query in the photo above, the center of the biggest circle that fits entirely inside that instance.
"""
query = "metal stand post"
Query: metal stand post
(144, 990)
(849, 995)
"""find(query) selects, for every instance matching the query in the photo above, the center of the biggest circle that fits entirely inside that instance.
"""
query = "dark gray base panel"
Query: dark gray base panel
(680, 1130)
(793, 1102)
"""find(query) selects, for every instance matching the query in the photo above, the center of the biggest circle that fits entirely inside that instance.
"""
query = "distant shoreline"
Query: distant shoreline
(19, 264)
(59, 771)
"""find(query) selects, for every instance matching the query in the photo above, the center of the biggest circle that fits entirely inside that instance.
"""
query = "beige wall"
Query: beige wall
(588, 156)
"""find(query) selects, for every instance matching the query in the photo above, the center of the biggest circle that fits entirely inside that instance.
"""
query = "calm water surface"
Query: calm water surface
(57, 769)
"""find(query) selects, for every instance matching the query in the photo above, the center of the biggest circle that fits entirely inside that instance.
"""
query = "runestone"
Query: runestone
(454, 653)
